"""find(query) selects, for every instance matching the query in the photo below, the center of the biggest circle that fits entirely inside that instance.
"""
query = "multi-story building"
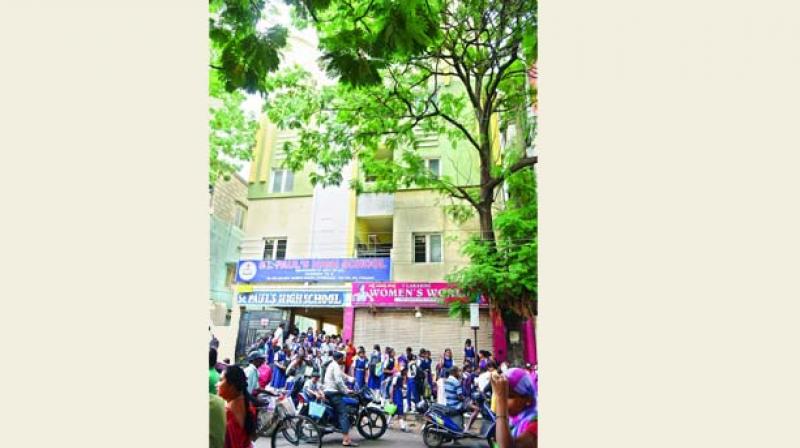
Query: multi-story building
(385, 255)
(228, 215)
(368, 266)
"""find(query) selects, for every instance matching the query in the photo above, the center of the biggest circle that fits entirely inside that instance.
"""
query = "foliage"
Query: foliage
(409, 68)
(231, 132)
(510, 271)
(241, 53)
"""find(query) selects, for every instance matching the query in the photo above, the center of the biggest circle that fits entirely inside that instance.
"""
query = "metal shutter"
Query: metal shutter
(435, 331)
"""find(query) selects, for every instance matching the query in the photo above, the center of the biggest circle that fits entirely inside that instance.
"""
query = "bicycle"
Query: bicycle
(277, 416)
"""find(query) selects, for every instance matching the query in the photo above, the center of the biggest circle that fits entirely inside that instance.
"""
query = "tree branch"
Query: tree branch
(520, 164)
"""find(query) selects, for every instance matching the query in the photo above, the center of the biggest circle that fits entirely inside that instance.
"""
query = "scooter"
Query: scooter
(443, 424)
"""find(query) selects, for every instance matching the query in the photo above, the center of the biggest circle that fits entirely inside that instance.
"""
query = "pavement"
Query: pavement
(393, 438)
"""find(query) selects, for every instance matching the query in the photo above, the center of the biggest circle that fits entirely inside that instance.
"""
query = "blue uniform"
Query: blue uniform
(397, 395)
(411, 387)
(278, 375)
(469, 355)
(360, 372)
(375, 373)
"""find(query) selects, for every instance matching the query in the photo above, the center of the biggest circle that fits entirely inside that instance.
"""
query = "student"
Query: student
(360, 368)
(426, 364)
(412, 391)
(375, 369)
(396, 392)
(469, 352)
(403, 359)
(279, 372)
(388, 372)
(445, 363)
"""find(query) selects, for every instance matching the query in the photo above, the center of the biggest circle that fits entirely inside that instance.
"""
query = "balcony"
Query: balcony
(373, 250)
(375, 204)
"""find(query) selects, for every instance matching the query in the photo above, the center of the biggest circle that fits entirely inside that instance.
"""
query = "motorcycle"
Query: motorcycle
(364, 414)
(443, 424)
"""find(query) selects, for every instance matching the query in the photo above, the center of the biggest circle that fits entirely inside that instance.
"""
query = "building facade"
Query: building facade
(228, 215)
(311, 254)
(368, 266)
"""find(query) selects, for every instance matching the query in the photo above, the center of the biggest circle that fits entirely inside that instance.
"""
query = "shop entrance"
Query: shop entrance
(331, 320)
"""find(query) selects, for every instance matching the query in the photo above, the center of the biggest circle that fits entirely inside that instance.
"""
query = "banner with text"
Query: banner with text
(319, 270)
(400, 294)
(307, 299)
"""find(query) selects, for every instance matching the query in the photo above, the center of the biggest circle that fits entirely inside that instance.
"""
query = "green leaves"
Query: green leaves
(507, 273)
(231, 133)
(242, 55)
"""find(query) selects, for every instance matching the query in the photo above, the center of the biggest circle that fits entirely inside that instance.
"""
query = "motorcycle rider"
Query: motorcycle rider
(335, 389)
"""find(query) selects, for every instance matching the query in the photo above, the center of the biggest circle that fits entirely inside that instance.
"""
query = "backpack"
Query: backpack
(412, 370)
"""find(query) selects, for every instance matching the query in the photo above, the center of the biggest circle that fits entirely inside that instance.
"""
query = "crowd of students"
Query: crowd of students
(287, 359)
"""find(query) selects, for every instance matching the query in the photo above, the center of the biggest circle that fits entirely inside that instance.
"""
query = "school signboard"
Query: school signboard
(400, 294)
(316, 270)
(306, 299)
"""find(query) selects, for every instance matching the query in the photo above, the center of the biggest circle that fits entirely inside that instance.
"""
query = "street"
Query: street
(392, 438)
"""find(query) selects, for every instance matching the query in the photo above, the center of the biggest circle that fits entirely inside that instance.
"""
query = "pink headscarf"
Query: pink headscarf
(522, 383)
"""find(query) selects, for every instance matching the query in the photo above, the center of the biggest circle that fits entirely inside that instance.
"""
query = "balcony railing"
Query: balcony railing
(375, 204)
(373, 250)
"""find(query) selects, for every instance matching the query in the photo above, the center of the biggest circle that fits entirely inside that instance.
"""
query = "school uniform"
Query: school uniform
(412, 392)
(397, 393)
(360, 372)
(279, 375)
(376, 372)
(469, 355)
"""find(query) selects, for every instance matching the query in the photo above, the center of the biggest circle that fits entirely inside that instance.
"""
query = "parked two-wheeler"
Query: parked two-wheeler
(369, 419)
(444, 424)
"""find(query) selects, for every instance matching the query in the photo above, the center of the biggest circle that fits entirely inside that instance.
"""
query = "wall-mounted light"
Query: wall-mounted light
(418, 313)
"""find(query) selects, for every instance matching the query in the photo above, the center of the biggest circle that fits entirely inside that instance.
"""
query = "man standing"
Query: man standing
(335, 388)
(256, 358)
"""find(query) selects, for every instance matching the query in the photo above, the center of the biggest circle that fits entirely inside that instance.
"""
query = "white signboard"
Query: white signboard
(474, 317)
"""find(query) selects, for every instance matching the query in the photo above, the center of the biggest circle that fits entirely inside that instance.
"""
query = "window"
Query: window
(230, 275)
(239, 218)
(282, 181)
(428, 248)
(274, 248)
(433, 166)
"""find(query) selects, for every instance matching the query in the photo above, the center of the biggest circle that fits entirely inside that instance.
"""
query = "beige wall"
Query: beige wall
(226, 334)
(278, 217)
(226, 195)
(422, 211)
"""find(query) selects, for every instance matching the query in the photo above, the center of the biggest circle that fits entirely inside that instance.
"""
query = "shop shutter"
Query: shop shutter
(435, 330)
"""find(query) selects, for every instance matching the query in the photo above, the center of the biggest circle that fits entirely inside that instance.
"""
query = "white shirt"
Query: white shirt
(334, 378)
(279, 336)
(484, 379)
(252, 378)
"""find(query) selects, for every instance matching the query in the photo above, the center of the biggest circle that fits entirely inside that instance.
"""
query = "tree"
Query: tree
(510, 270)
(242, 54)
(231, 132)
(395, 61)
